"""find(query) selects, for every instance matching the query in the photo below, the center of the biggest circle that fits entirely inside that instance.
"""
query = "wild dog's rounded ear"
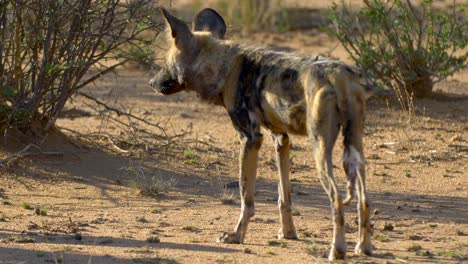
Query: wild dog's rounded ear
(209, 20)
(179, 30)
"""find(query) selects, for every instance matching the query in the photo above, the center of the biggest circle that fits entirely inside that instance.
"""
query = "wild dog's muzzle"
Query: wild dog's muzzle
(165, 84)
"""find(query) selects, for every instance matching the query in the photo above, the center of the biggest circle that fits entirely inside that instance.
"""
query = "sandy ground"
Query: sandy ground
(95, 210)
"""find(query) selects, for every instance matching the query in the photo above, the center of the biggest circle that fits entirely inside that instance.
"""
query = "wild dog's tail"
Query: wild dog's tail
(351, 103)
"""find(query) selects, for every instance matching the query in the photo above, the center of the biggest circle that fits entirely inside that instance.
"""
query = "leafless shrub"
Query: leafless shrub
(50, 49)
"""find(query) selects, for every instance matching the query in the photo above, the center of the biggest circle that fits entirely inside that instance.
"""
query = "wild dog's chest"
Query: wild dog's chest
(267, 95)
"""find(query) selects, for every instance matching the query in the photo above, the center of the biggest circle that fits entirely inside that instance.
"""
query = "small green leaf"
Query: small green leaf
(8, 91)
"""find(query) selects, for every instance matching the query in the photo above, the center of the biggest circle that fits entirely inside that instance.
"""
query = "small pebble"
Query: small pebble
(388, 227)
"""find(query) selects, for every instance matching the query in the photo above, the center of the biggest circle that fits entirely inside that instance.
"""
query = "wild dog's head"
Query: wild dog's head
(182, 60)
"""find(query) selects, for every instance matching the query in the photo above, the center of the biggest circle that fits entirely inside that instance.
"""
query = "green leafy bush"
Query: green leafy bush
(404, 47)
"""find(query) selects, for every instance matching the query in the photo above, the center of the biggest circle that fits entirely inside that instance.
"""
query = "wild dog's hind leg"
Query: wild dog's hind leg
(354, 168)
(248, 170)
(287, 229)
(355, 162)
(354, 165)
(323, 128)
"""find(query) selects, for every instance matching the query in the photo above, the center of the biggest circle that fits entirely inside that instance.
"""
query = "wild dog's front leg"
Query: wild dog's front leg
(287, 229)
(248, 170)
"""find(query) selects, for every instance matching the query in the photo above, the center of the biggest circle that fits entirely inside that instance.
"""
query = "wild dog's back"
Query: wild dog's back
(273, 84)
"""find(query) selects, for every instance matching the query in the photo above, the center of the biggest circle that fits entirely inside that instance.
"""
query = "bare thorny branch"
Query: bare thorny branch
(119, 112)
(134, 134)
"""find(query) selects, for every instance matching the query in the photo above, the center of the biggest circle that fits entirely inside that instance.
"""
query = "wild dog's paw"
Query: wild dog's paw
(363, 248)
(287, 234)
(229, 238)
(336, 253)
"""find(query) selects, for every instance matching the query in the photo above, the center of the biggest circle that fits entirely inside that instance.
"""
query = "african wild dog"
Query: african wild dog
(283, 93)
